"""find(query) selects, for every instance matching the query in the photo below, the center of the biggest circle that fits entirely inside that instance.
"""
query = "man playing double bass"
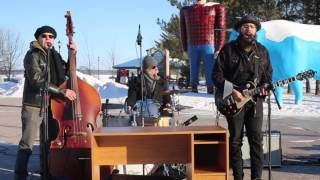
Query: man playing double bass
(35, 63)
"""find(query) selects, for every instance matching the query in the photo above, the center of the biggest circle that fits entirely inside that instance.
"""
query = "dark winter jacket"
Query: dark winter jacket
(134, 92)
(234, 65)
(35, 62)
(237, 67)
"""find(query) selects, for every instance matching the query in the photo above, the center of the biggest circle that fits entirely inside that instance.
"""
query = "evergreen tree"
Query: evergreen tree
(291, 10)
(170, 36)
(311, 12)
(312, 16)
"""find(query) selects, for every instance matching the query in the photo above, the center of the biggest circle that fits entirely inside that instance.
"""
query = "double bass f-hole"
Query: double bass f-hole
(89, 125)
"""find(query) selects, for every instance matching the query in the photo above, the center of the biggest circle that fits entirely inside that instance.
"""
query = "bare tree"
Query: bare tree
(10, 52)
(89, 57)
(112, 56)
(112, 60)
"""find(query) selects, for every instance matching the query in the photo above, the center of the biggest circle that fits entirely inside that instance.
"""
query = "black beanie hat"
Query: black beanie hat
(45, 29)
(248, 19)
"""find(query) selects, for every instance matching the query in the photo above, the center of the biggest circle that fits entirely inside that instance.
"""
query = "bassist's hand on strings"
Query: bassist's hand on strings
(237, 95)
(70, 94)
(72, 46)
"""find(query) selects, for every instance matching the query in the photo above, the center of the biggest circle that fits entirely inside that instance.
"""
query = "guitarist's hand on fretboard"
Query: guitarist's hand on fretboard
(263, 92)
(237, 95)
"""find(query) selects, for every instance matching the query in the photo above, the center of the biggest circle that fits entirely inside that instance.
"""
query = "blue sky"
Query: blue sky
(101, 26)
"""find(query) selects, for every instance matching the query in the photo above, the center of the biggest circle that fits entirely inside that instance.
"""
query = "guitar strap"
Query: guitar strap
(236, 47)
(256, 71)
(257, 62)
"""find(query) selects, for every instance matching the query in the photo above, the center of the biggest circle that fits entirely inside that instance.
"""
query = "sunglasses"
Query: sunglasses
(47, 36)
(246, 26)
(153, 67)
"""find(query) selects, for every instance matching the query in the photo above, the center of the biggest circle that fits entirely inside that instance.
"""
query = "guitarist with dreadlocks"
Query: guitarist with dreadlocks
(239, 62)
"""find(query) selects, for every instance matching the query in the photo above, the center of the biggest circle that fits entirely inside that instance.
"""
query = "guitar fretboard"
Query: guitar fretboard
(284, 82)
(257, 90)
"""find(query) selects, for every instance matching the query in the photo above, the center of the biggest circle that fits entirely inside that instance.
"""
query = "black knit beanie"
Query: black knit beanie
(45, 29)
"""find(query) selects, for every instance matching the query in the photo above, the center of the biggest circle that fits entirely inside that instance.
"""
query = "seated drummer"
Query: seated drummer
(155, 87)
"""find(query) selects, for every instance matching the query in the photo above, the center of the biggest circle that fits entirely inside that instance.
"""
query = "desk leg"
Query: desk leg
(95, 172)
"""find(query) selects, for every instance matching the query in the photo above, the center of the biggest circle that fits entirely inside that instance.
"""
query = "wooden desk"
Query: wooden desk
(203, 148)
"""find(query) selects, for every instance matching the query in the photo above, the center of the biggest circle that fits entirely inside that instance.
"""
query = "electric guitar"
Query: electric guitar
(229, 107)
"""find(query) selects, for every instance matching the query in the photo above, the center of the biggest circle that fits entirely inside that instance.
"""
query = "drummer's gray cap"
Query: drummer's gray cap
(149, 62)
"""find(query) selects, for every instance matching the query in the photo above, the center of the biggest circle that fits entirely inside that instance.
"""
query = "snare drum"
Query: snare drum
(151, 109)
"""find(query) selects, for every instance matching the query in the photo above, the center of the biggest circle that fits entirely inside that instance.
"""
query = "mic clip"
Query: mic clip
(139, 37)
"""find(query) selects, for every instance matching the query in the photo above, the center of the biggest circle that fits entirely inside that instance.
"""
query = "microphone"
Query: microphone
(139, 37)
(257, 56)
(50, 45)
(254, 41)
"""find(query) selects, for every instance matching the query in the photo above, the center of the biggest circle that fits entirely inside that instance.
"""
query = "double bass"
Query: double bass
(69, 153)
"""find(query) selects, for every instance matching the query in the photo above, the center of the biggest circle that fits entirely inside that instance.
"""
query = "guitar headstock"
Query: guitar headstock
(306, 74)
(69, 30)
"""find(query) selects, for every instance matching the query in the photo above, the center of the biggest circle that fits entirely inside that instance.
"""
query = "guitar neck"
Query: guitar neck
(284, 82)
(257, 90)
(300, 76)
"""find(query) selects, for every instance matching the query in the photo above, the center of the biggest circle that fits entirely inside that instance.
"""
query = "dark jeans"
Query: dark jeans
(253, 124)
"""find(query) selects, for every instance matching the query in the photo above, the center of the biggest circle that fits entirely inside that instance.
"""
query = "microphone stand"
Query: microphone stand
(269, 115)
(139, 42)
(44, 112)
(269, 129)
(269, 124)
